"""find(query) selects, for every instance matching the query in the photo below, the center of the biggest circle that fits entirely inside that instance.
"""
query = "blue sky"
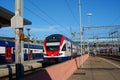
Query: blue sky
(59, 16)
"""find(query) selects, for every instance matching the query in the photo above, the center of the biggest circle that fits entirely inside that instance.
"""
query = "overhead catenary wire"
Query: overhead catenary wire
(37, 15)
(116, 19)
(41, 11)
(72, 13)
(41, 18)
(69, 7)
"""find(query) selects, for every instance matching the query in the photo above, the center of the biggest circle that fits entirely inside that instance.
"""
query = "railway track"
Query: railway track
(28, 69)
(112, 57)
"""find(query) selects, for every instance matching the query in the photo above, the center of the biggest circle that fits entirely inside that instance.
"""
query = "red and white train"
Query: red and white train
(58, 48)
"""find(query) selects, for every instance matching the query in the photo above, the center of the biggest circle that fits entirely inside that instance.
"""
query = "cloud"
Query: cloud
(44, 29)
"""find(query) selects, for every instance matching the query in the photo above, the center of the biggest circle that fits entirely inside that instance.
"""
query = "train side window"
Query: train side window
(64, 48)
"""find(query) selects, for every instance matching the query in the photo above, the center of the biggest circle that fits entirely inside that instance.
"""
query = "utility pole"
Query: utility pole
(81, 30)
(71, 37)
(17, 24)
(89, 15)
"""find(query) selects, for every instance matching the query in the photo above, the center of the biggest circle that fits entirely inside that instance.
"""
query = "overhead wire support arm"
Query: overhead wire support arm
(102, 27)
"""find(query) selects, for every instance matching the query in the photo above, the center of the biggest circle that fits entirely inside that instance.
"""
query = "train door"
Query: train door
(31, 55)
(68, 49)
(8, 54)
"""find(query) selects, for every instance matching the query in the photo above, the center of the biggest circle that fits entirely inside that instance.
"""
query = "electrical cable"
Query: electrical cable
(32, 3)
(72, 12)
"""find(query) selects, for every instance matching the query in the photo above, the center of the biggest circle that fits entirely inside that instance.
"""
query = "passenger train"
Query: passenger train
(108, 49)
(113, 51)
(58, 48)
(7, 51)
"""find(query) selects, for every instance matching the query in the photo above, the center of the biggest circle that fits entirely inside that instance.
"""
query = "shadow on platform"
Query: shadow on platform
(37, 75)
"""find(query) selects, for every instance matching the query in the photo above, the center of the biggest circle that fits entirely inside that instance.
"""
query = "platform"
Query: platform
(96, 68)
(7, 69)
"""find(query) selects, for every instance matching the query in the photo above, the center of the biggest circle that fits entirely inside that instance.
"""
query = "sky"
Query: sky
(62, 17)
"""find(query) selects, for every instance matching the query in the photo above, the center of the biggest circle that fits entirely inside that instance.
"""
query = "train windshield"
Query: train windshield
(52, 46)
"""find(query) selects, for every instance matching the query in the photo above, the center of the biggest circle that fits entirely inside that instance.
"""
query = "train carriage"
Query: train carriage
(58, 48)
(7, 51)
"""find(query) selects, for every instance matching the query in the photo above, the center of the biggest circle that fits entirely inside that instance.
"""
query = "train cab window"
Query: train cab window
(64, 48)
(52, 48)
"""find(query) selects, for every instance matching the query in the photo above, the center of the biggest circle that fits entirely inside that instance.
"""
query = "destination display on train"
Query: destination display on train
(53, 39)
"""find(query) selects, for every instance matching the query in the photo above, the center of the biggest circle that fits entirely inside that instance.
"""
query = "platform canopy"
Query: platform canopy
(5, 17)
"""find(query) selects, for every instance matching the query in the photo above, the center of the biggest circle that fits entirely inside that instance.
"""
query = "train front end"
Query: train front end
(54, 48)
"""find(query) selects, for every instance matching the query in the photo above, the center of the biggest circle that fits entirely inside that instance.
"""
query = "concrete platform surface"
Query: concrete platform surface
(96, 68)
(6, 69)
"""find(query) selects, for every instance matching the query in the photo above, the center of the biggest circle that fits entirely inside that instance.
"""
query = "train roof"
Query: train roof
(59, 36)
(13, 39)
(56, 35)
(7, 38)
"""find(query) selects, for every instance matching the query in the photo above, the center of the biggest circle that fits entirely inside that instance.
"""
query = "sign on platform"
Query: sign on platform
(17, 21)
(90, 44)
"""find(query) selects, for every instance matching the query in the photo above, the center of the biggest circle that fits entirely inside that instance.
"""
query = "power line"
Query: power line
(42, 18)
(71, 12)
(32, 3)
(37, 15)
(116, 19)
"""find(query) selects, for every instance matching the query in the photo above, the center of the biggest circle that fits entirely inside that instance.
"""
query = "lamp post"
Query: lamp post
(81, 31)
(89, 15)
(28, 29)
(79, 5)
(89, 22)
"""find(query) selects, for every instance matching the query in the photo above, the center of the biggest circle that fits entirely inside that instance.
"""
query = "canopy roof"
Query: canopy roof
(5, 17)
